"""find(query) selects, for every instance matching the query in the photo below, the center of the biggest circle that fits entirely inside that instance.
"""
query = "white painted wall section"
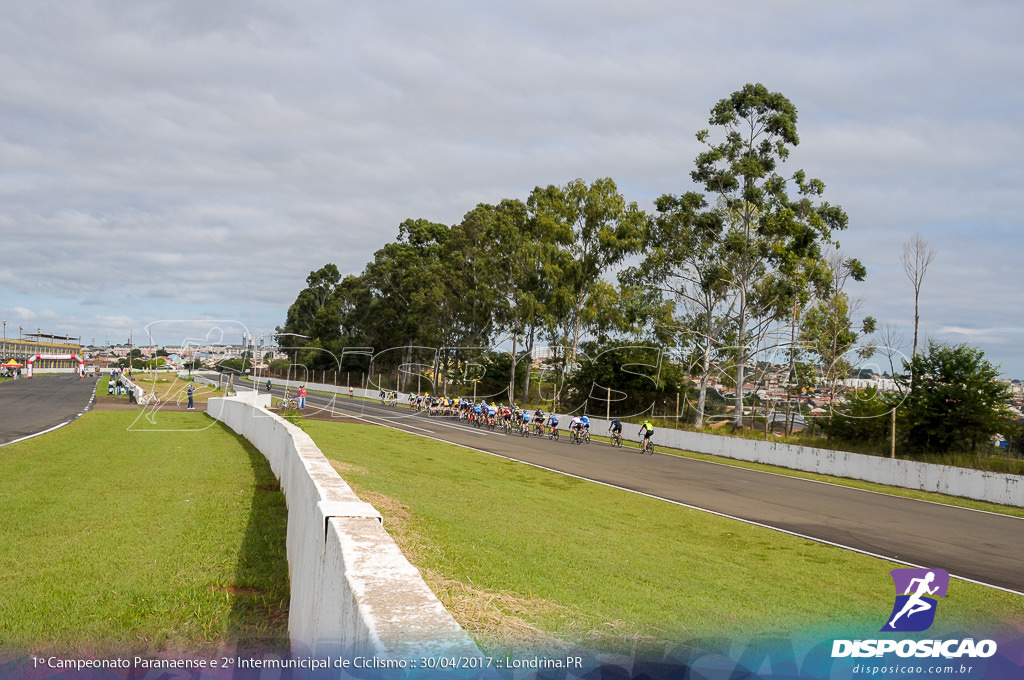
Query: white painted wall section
(352, 590)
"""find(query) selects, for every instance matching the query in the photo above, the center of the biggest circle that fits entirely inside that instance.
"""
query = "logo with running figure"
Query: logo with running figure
(914, 609)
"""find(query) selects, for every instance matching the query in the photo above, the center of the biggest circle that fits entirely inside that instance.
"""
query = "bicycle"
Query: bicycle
(647, 446)
(616, 439)
(287, 403)
(553, 433)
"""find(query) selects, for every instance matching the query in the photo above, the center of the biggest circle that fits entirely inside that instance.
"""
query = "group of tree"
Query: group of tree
(745, 264)
(950, 401)
(515, 271)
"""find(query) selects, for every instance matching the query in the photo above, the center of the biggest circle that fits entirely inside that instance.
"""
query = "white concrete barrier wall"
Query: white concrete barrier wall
(352, 590)
(993, 487)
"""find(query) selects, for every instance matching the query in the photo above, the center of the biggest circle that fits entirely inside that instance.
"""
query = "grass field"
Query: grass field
(528, 558)
(169, 388)
(123, 540)
(119, 539)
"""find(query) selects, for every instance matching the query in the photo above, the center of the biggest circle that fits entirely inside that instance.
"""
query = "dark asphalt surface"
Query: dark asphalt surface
(29, 406)
(978, 546)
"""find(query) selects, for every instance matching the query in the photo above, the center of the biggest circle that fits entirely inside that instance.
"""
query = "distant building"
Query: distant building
(881, 384)
(31, 344)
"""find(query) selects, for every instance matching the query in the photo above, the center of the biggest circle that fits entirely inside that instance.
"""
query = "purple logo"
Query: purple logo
(914, 609)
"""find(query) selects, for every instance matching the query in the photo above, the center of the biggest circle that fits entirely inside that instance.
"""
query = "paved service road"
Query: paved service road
(978, 546)
(29, 406)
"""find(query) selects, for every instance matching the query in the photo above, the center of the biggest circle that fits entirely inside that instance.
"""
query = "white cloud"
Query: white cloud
(178, 159)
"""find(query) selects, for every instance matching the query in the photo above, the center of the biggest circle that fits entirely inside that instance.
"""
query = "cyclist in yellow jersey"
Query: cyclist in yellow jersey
(647, 430)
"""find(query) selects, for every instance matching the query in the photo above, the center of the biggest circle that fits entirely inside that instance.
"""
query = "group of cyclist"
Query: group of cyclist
(646, 431)
(511, 418)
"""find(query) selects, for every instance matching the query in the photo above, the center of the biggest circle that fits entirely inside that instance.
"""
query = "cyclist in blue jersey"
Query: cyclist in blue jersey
(616, 429)
(552, 424)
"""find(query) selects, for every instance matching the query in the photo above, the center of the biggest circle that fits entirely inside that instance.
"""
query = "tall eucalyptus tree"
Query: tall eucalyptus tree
(774, 241)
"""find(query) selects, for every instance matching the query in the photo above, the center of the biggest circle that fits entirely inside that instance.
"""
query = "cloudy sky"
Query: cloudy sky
(191, 159)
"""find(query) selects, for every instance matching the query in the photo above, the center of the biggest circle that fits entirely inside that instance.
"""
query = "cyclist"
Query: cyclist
(525, 419)
(552, 424)
(538, 421)
(586, 427)
(647, 430)
(576, 427)
(616, 429)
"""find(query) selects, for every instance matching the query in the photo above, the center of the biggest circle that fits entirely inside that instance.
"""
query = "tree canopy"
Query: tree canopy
(719, 278)
(957, 402)
(772, 242)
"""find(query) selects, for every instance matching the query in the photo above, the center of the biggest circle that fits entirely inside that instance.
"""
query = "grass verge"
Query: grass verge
(169, 388)
(529, 559)
(116, 540)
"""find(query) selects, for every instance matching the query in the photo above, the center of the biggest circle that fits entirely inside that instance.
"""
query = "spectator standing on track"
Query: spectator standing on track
(191, 391)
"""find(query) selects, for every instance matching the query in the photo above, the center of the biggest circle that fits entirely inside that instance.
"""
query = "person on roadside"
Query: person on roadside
(302, 397)
(191, 392)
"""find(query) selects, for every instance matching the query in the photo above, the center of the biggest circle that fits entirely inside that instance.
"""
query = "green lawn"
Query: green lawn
(523, 556)
(114, 538)
(125, 540)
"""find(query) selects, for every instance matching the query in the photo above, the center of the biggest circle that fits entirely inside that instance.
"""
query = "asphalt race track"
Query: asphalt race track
(30, 406)
(977, 546)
